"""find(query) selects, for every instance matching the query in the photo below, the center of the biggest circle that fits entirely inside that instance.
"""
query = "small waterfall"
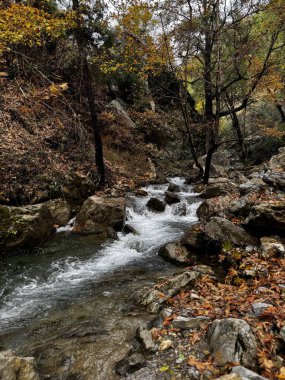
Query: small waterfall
(33, 294)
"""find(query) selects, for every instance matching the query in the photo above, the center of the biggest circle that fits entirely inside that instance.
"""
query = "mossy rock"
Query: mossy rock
(24, 226)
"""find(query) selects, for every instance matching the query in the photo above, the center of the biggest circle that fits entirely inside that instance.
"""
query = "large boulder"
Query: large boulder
(17, 368)
(222, 230)
(218, 188)
(25, 226)
(266, 218)
(231, 340)
(255, 185)
(60, 211)
(175, 253)
(98, 214)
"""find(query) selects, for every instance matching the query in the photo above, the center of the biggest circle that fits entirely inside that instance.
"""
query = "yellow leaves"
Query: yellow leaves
(281, 374)
(29, 26)
(57, 89)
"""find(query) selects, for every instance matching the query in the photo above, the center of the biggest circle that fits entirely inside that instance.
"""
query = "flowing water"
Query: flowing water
(69, 302)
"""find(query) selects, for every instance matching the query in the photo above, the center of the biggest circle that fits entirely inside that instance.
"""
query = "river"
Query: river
(70, 301)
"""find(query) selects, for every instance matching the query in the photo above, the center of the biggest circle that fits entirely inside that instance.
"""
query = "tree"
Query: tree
(229, 53)
(82, 44)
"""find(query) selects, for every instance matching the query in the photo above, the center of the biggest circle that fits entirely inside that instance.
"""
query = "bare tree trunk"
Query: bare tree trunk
(88, 80)
(236, 126)
(282, 113)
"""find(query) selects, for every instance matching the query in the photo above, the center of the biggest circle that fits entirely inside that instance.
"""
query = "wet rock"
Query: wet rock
(141, 193)
(190, 323)
(255, 185)
(175, 253)
(128, 229)
(145, 337)
(156, 204)
(21, 226)
(99, 213)
(130, 364)
(60, 211)
(194, 238)
(246, 374)
(231, 340)
(171, 198)
(266, 218)
(17, 368)
(173, 188)
(222, 230)
(259, 308)
(271, 247)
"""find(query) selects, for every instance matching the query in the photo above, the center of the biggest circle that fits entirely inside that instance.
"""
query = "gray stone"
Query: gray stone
(276, 180)
(156, 204)
(99, 213)
(260, 307)
(255, 185)
(231, 340)
(154, 298)
(190, 323)
(218, 189)
(117, 106)
(145, 338)
(223, 230)
(175, 252)
(246, 374)
(17, 368)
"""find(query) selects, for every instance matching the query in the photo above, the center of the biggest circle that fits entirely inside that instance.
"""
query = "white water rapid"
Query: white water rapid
(30, 294)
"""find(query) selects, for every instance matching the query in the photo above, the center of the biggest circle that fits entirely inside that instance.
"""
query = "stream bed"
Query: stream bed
(70, 302)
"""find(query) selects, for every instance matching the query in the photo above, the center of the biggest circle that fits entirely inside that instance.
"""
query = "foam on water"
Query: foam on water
(34, 296)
